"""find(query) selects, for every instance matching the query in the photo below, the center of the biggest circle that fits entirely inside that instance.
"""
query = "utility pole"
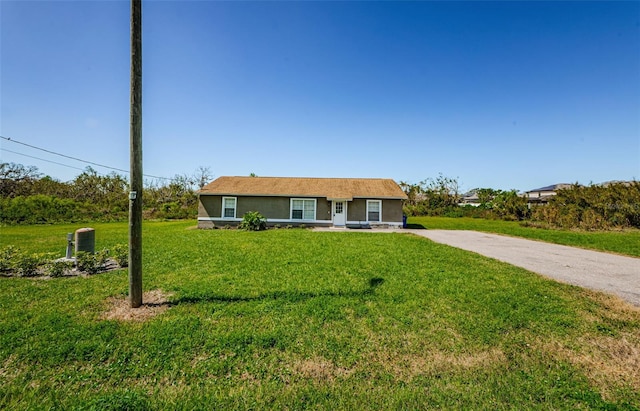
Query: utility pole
(135, 196)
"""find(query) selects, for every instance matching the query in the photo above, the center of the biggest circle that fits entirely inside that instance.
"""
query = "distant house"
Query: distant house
(543, 194)
(338, 202)
(470, 198)
(618, 182)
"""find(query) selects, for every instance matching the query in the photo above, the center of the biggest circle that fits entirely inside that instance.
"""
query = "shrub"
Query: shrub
(26, 265)
(102, 257)
(6, 257)
(594, 207)
(38, 209)
(253, 221)
(120, 253)
(508, 205)
(92, 263)
(85, 261)
(58, 268)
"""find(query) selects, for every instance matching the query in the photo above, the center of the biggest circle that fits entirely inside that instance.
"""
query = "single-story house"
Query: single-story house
(543, 194)
(338, 202)
(470, 198)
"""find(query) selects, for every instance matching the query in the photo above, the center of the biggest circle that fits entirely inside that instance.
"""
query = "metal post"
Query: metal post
(69, 253)
(135, 196)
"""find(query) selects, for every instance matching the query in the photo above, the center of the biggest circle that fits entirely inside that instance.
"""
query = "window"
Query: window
(229, 207)
(303, 209)
(374, 210)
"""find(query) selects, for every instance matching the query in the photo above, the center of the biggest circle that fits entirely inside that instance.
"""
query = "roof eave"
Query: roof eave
(328, 197)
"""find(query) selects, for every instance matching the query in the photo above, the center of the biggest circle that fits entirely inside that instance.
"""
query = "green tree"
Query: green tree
(508, 205)
(17, 179)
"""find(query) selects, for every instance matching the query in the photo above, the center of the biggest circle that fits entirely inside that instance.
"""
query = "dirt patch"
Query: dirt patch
(10, 368)
(408, 366)
(617, 358)
(614, 307)
(607, 361)
(612, 359)
(154, 302)
(320, 369)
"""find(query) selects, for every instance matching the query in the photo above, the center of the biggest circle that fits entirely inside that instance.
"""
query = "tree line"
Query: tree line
(441, 196)
(28, 197)
(593, 207)
(605, 206)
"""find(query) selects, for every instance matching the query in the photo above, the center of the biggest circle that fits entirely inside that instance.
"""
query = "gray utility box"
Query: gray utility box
(86, 240)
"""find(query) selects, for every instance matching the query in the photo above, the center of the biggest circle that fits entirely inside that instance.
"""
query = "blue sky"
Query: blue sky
(509, 95)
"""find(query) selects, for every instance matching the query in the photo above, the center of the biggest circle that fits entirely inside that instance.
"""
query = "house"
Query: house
(337, 202)
(470, 198)
(543, 194)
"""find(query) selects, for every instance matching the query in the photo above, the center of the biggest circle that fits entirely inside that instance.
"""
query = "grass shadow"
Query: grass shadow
(416, 226)
(289, 296)
(375, 282)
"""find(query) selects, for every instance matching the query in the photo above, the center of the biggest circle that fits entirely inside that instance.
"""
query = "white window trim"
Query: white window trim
(315, 209)
(235, 208)
(379, 210)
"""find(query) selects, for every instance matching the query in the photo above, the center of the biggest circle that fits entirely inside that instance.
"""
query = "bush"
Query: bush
(92, 263)
(26, 265)
(37, 209)
(6, 257)
(58, 268)
(253, 221)
(15, 263)
(85, 261)
(120, 253)
(594, 207)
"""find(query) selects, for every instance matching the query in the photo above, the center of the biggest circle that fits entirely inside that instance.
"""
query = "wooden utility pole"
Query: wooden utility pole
(135, 196)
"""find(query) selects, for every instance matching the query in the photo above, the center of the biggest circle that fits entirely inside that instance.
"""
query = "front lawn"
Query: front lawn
(296, 319)
(622, 242)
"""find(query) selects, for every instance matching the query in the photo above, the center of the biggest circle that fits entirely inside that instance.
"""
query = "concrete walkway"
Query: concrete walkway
(596, 270)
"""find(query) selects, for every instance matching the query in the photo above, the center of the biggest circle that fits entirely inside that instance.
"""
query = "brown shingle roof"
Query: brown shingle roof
(331, 188)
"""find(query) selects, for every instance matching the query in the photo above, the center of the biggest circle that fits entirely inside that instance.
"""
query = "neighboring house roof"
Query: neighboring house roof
(553, 187)
(331, 188)
(470, 197)
(622, 182)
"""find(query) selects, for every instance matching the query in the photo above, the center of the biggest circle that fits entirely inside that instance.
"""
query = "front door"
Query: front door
(339, 213)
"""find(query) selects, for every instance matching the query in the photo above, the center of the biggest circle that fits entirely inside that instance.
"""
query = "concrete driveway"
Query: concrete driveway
(596, 270)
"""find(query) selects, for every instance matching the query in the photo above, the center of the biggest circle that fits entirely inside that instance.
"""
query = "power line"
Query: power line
(38, 158)
(62, 155)
(74, 158)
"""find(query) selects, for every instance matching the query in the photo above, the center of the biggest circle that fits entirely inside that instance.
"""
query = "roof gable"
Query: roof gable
(331, 188)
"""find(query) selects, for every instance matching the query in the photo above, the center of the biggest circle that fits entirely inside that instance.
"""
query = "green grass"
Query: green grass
(622, 242)
(294, 319)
